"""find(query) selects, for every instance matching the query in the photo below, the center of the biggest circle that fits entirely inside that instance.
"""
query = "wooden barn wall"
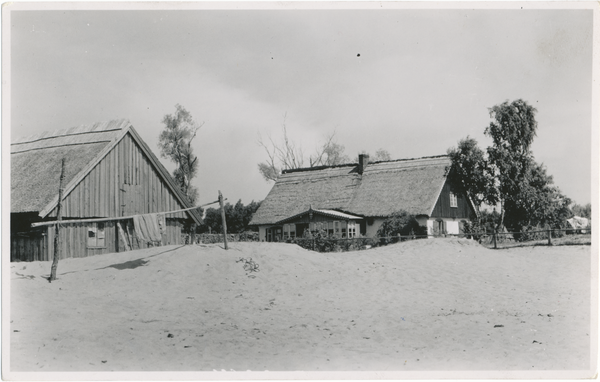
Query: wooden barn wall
(74, 241)
(122, 183)
(28, 247)
(442, 207)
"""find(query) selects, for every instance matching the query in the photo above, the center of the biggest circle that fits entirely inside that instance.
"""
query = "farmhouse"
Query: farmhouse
(110, 172)
(351, 199)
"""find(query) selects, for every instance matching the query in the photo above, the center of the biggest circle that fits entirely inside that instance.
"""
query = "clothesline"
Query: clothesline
(93, 220)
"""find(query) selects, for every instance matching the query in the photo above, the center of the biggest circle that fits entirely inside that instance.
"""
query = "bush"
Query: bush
(400, 223)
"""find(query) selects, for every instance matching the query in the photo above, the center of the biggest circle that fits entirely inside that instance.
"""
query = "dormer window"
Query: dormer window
(453, 201)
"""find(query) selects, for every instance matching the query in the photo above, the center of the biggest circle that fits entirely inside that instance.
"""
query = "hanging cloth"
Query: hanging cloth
(147, 227)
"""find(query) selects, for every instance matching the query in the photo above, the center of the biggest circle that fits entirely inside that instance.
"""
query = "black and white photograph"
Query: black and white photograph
(299, 190)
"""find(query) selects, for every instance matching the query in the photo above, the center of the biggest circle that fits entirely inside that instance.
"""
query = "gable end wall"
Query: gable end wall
(442, 207)
(123, 183)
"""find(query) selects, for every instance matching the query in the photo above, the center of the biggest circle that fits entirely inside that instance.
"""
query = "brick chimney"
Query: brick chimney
(363, 161)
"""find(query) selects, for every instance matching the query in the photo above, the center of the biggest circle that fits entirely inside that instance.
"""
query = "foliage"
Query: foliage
(582, 211)
(285, 155)
(237, 218)
(512, 130)
(320, 241)
(537, 202)
(469, 173)
(400, 223)
(380, 155)
(507, 173)
(175, 143)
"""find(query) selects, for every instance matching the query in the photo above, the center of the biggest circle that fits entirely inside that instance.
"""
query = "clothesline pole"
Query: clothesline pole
(95, 220)
(224, 223)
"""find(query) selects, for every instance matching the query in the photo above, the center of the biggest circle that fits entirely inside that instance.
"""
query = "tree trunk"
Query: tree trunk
(58, 218)
(223, 220)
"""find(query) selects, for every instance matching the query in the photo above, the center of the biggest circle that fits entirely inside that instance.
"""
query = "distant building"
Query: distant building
(110, 172)
(351, 199)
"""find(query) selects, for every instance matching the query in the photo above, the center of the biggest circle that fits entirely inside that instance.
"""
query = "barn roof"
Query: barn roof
(383, 188)
(36, 163)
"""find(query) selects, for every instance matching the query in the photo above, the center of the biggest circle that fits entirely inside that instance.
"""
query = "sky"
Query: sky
(412, 82)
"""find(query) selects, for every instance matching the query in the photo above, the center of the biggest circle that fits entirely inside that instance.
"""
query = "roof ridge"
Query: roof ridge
(97, 127)
(316, 168)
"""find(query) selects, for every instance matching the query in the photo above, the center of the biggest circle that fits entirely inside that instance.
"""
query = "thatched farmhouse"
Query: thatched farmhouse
(109, 173)
(350, 199)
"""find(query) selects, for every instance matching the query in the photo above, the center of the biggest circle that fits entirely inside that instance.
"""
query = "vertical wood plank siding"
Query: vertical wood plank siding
(442, 207)
(123, 177)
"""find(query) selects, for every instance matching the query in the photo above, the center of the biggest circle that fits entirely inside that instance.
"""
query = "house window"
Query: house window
(96, 237)
(337, 228)
(453, 201)
(330, 228)
(351, 229)
(289, 231)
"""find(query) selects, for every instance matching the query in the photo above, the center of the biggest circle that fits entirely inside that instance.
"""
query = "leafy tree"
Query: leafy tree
(512, 130)
(380, 155)
(537, 201)
(582, 211)
(469, 172)
(285, 155)
(175, 143)
(508, 174)
(237, 217)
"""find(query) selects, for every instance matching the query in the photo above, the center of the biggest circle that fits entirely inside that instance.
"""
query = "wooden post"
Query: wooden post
(549, 236)
(193, 234)
(494, 236)
(58, 218)
(223, 219)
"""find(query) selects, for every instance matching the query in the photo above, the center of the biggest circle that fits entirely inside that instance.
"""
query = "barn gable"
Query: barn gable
(109, 172)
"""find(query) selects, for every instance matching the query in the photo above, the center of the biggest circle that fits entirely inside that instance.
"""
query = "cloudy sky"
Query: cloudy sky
(413, 82)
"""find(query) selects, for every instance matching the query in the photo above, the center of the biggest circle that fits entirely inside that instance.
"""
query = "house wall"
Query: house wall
(442, 207)
(374, 227)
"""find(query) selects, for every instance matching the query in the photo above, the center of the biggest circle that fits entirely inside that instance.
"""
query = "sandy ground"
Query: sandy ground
(440, 304)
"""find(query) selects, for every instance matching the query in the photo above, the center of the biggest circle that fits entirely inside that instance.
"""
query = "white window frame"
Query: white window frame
(351, 229)
(453, 200)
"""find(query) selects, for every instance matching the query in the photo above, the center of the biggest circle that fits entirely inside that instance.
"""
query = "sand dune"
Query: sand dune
(443, 304)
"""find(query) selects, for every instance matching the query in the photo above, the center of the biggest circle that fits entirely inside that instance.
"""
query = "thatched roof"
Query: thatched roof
(36, 163)
(383, 188)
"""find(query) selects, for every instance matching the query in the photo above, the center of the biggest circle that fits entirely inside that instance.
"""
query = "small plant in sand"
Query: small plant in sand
(249, 264)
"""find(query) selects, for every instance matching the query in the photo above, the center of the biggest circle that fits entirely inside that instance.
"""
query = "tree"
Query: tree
(512, 130)
(380, 155)
(237, 217)
(582, 211)
(285, 155)
(175, 143)
(508, 174)
(469, 173)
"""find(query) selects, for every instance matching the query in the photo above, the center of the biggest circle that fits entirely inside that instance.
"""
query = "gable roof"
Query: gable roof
(383, 188)
(36, 163)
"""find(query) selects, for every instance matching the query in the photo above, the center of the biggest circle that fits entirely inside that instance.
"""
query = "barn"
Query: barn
(352, 199)
(109, 172)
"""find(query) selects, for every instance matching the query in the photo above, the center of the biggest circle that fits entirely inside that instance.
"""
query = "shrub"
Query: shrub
(400, 223)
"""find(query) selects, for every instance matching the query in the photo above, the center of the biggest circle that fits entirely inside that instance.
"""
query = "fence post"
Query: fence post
(494, 236)
(549, 236)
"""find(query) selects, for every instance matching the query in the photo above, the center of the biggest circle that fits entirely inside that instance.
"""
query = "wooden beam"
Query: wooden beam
(114, 218)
